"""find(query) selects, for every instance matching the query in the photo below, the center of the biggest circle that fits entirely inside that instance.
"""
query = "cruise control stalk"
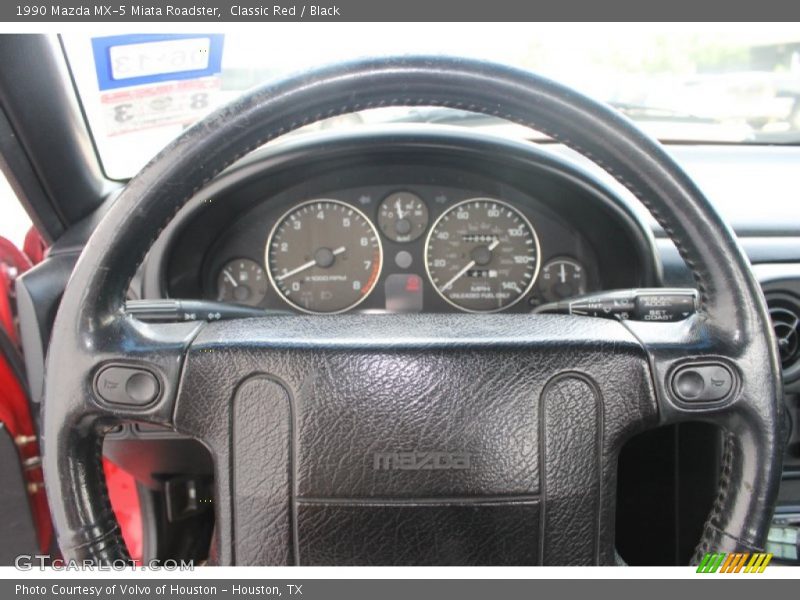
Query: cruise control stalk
(660, 305)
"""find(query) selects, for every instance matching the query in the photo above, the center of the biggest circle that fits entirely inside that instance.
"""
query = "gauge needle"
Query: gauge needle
(305, 266)
(467, 267)
(563, 274)
(399, 208)
(231, 278)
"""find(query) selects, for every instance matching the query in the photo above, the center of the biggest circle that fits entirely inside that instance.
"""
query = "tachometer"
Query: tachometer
(482, 255)
(324, 256)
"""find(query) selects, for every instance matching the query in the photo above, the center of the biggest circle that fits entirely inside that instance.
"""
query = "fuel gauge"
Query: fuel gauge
(562, 278)
(242, 281)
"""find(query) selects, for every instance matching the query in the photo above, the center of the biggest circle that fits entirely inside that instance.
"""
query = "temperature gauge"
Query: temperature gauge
(562, 278)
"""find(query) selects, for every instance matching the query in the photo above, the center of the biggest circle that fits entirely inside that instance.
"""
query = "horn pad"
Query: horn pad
(417, 456)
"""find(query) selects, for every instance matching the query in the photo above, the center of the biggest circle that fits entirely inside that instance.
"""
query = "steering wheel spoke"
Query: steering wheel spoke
(696, 373)
(123, 370)
(136, 376)
(703, 371)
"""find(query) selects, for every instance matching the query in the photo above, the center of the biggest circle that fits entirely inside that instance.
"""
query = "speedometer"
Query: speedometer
(324, 256)
(482, 255)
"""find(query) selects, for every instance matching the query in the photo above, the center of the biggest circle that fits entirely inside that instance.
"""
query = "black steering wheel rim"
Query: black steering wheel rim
(91, 327)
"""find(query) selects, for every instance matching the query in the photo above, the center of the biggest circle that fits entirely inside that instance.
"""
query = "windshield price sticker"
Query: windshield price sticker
(148, 81)
(151, 58)
(166, 104)
(127, 60)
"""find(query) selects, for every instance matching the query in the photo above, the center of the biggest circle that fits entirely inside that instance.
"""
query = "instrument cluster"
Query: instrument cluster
(410, 248)
(401, 221)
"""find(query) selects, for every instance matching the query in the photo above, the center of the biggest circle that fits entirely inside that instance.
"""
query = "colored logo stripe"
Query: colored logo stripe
(759, 562)
(734, 562)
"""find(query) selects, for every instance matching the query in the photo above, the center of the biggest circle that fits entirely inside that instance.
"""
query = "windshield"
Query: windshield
(733, 83)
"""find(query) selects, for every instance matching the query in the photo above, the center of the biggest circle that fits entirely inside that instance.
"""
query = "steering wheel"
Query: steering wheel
(410, 439)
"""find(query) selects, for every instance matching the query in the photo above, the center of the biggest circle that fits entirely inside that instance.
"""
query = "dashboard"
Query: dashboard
(390, 222)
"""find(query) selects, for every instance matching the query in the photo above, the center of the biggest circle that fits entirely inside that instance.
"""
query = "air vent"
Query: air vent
(784, 310)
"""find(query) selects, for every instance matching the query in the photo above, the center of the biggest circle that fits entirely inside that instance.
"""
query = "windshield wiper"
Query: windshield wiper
(643, 111)
(447, 116)
(453, 116)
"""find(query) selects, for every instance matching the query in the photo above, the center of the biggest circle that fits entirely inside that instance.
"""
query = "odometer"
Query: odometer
(482, 255)
(323, 256)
